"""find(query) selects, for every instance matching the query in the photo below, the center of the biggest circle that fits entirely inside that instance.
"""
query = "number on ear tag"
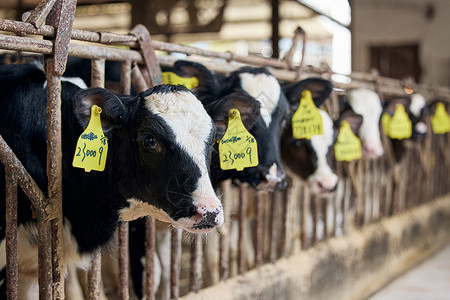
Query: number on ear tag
(92, 145)
(348, 145)
(400, 126)
(385, 120)
(237, 148)
(307, 120)
(440, 121)
(175, 79)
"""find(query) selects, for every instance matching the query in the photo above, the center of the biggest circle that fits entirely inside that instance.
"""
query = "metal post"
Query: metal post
(12, 271)
(243, 192)
(175, 263)
(150, 245)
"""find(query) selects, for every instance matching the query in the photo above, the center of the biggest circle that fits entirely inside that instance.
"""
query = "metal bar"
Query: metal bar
(45, 271)
(323, 202)
(287, 220)
(54, 172)
(305, 202)
(243, 194)
(12, 270)
(38, 16)
(25, 181)
(224, 255)
(314, 214)
(125, 78)
(95, 275)
(98, 73)
(196, 263)
(138, 80)
(123, 261)
(150, 246)
(259, 204)
(175, 263)
(148, 53)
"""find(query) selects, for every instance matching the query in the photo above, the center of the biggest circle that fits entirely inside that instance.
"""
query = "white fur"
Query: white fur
(367, 103)
(417, 103)
(192, 126)
(2, 254)
(75, 80)
(321, 143)
(265, 89)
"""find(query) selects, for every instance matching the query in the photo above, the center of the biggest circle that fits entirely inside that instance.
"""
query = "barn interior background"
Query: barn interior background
(382, 220)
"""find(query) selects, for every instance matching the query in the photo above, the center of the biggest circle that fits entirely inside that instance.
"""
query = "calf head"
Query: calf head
(367, 103)
(160, 144)
(310, 159)
(265, 108)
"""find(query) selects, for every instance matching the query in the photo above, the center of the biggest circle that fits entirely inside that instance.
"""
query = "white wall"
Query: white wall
(396, 22)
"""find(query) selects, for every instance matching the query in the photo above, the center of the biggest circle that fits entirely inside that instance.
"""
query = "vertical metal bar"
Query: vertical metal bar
(45, 259)
(12, 271)
(274, 203)
(224, 257)
(95, 275)
(305, 211)
(150, 245)
(314, 214)
(175, 263)
(54, 173)
(125, 88)
(259, 228)
(243, 193)
(125, 77)
(123, 261)
(346, 206)
(323, 205)
(98, 73)
(196, 264)
(138, 79)
(287, 220)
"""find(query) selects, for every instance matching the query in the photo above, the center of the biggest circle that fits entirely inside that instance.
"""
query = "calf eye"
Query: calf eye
(150, 142)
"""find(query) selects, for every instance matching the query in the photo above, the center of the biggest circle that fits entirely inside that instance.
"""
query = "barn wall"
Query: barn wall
(350, 267)
(389, 22)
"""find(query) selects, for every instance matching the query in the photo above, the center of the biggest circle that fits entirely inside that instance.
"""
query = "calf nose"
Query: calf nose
(208, 218)
(372, 149)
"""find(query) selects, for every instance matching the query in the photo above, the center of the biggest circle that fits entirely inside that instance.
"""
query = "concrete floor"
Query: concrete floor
(428, 281)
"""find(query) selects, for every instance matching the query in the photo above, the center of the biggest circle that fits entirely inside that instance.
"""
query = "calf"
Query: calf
(160, 143)
(367, 103)
(310, 159)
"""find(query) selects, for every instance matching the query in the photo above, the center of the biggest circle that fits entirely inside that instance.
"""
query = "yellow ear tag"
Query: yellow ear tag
(348, 145)
(385, 120)
(400, 126)
(307, 120)
(237, 148)
(92, 145)
(440, 121)
(175, 79)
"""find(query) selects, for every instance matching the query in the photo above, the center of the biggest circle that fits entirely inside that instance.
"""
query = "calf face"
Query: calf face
(367, 103)
(265, 108)
(310, 159)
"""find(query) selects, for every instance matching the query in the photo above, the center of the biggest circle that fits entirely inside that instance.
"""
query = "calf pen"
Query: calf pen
(272, 228)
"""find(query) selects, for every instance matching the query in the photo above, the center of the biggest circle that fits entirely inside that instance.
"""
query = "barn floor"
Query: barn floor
(429, 280)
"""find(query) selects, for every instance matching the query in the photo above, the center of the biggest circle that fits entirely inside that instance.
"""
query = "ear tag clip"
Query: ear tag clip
(385, 120)
(307, 120)
(348, 145)
(175, 79)
(237, 148)
(400, 126)
(440, 121)
(92, 145)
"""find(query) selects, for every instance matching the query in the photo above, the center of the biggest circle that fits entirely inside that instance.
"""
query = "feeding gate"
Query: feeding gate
(275, 225)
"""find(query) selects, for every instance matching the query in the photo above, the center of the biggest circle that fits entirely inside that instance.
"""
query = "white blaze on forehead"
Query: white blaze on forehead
(192, 127)
(321, 145)
(264, 88)
(417, 104)
(367, 103)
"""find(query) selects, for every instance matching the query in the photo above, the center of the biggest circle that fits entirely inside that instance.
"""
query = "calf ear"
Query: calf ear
(320, 90)
(114, 113)
(249, 108)
(207, 88)
(355, 120)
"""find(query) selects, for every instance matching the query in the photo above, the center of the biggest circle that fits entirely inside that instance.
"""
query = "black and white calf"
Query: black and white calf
(367, 103)
(159, 151)
(310, 159)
